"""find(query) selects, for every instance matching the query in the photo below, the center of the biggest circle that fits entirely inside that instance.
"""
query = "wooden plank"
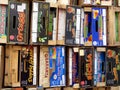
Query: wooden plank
(3, 26)
(106, 3)
(64, 2)
(61, 26)
(70, 88)
(44, 72)
(53, 89)
(113, 26)
(12, 72)
(1, 65)
(4, 2)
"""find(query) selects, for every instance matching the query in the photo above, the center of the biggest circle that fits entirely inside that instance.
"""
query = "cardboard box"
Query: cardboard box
(44, 70)
(18, 22)
(52, 32)
(73, 22)
(87, 26)
(99, 66)
(29, 66)
(40, 22)
(72, 66)
(114, 26)
(112, 66)
(12, 66)
(86, 67)
(61, 26)
(99, 26)
(3, 24)
(57, 66)
(1, 65)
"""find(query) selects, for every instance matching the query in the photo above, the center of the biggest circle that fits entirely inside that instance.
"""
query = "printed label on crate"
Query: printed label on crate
(99, 27)
(41, 15)
(18, 22)
(73, 21)
(99, 68)
(3, 26)
(57, 66)
(73, 67)
(113, 66)
(86, 67)
(28, 66)
(87, 29)
(44, 67)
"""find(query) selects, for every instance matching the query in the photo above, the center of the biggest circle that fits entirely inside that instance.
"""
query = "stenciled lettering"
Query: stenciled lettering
(31, 67)
(47, 65)
(89, 67)
(21, 19)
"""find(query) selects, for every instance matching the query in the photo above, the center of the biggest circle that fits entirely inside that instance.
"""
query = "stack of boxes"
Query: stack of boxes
(57, 43)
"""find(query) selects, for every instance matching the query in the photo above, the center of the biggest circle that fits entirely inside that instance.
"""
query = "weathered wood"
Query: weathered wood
(113, 26)
(1, 65)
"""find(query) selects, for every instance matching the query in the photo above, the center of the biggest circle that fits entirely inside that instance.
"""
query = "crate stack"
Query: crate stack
(60, 45)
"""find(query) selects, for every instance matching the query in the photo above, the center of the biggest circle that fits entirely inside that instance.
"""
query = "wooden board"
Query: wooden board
(61, 27)
(4, 2)
(113, 26)
(12, 66)
(44, 71)
(3, 25)
(106, 3)
(1, 65)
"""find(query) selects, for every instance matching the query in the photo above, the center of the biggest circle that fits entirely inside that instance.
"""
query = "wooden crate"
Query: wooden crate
(29, 60)
(73, 23)
(87, 27)
(18, 22)
(12, 66)
(40, 23)
(99, 66)
(44, 70)
(1, 65)
(72, 58)
(86, 67)
(61, 25)
(113, 26)
(3, 25)
(112, 66)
